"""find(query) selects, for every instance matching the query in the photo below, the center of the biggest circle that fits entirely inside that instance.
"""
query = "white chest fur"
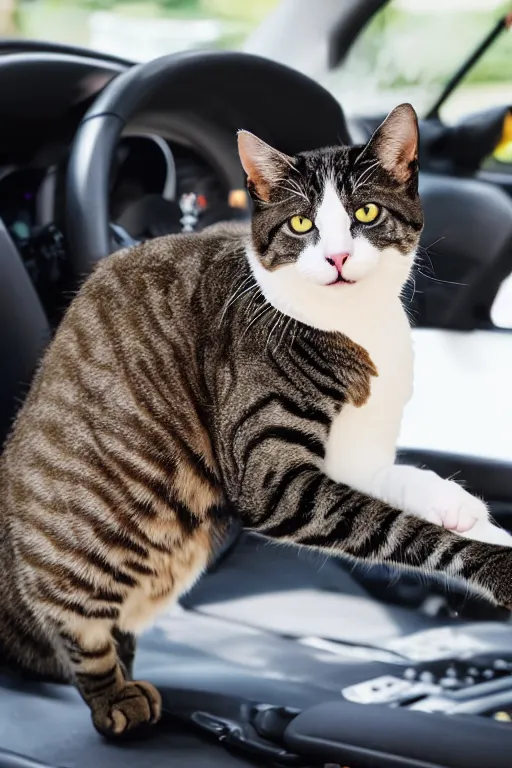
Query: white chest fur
(363, 440)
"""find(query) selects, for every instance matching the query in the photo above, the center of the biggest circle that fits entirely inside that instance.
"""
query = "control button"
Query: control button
(488, 674)
(500, 664)
(427, 677)
(502, 717)
(450, 683)
(450, 672)
(473, 671)
(469, 680)
(410, 673)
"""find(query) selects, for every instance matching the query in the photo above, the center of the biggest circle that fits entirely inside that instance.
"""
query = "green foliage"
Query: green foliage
(251, 11)
(244, 10)
(403, 49)
(399, 49)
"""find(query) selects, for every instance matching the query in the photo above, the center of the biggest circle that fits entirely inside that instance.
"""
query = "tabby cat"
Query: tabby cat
(254, 372)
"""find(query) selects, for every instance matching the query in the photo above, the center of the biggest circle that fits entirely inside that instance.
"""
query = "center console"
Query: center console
(467, 670)
(450, 706)
(443, 699)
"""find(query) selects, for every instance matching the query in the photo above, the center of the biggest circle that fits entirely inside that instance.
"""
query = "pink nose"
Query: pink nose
(337, 260)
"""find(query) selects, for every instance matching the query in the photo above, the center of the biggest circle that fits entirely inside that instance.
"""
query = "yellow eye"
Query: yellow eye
(367, 213)
(300, 224)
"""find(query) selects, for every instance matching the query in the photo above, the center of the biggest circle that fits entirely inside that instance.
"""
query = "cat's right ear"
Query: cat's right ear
(264, 165)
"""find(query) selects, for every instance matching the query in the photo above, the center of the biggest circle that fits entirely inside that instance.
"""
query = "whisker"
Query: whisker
(284, 322)
(237, 294)
(366, 176)
(293, 192)
(424, 250)
(438, 280)
(252, 300)
(285, 329)
(427, 247)
(294, 333)
(276, 325)
(413, 281)
(290, 164)
(267, 307)
(295, 184)
(268, 204)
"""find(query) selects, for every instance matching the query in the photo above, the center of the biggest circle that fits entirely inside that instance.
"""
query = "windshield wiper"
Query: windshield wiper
(503, 24)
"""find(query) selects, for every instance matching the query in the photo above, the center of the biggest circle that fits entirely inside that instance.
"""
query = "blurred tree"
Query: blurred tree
(172, 5)
(8, 18)
(252, 12)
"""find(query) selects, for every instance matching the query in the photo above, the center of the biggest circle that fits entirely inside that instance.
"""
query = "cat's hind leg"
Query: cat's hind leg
(117, 704)
(126, 647)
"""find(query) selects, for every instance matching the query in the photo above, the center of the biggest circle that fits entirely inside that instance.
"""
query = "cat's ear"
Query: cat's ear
(263, 164)
(395, 143)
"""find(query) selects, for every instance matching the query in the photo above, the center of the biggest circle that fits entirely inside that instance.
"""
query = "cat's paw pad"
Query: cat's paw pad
(446, 503)
(136, 705)
(424, 494)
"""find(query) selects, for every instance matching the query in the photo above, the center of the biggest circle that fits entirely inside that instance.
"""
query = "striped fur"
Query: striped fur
(172, 398)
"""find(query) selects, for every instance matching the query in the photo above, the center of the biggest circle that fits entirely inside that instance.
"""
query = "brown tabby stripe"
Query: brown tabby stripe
(49, 595)
(66, 578)
(77, 654)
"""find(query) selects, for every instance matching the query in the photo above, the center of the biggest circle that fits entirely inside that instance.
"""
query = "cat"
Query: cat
(258, 372)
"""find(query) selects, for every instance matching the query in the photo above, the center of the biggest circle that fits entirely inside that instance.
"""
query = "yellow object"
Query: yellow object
(237, 198)
(301, 224)
(367, 213)
(502, 717)
(503, 152)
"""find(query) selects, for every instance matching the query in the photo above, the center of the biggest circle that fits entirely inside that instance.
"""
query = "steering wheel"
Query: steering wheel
(230, 88)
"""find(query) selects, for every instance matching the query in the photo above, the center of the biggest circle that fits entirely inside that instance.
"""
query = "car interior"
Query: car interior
(277, 656)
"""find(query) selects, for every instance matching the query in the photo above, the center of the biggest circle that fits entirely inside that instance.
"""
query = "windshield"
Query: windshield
(407, 52)
(137, 30)
(411, 48)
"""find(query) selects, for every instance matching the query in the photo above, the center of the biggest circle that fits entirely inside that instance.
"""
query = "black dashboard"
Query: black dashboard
(151, 183)
(174, 168)
(176, 165)
(31, 196)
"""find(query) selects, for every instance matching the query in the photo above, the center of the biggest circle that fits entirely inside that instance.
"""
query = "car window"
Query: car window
(137, 30)
(409, 51)
(489, 83)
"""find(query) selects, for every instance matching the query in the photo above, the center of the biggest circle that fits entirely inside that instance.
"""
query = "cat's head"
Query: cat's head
(337, 225)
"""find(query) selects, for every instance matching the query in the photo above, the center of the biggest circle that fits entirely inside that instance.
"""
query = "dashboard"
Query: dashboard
(158, 187)
(175, 167)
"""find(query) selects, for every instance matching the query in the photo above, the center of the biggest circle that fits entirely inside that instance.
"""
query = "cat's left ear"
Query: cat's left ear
(263, 164)
(395, 143)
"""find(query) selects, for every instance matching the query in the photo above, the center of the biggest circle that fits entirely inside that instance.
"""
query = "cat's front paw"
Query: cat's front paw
(424, 494)
(445, 503)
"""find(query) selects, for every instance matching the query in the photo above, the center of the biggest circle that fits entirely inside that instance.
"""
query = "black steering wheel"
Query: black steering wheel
(231, 89)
